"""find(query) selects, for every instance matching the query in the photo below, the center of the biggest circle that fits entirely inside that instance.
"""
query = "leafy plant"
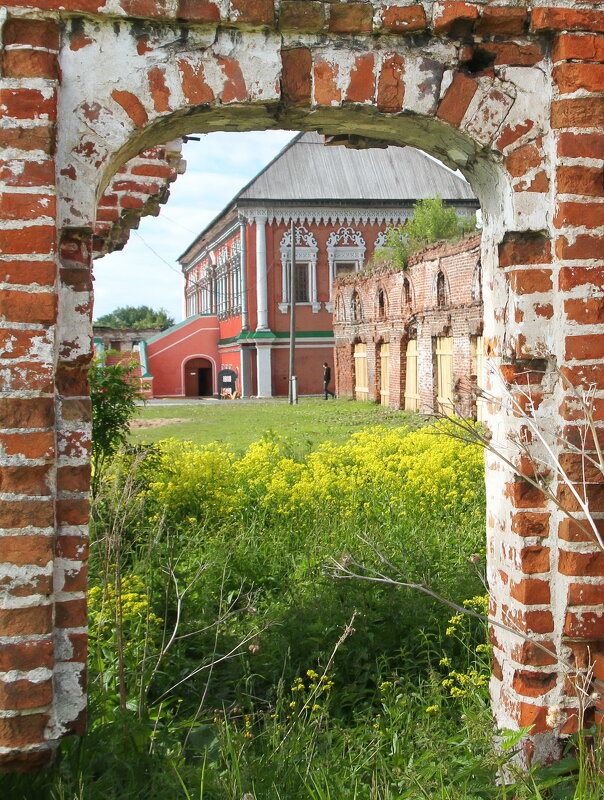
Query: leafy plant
(114, 392)
(431, 222)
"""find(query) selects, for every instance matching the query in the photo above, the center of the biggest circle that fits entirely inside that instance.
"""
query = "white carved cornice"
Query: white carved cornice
(327, 215)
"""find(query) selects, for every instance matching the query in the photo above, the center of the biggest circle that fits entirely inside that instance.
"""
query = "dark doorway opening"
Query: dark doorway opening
(198, 378)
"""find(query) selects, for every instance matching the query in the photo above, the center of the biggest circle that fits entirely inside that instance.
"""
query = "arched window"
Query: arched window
(356, 308)
(441, 291)
(381, 303)
(406, 292)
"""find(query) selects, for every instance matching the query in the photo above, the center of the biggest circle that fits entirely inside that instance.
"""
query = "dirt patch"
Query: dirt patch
(140, 424)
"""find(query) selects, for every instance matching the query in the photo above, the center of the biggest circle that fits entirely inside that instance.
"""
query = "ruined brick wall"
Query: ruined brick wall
(137, 190)
(511, 94)
(411, 310)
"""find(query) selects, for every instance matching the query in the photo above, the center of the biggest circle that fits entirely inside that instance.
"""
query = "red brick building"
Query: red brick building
(413, 339)
(237, 270)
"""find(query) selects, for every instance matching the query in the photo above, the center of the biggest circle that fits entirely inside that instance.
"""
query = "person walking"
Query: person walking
(327, 380)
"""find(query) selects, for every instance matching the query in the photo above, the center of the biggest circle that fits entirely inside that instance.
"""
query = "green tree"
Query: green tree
(114, 391)
(431, 222)
(136, 317)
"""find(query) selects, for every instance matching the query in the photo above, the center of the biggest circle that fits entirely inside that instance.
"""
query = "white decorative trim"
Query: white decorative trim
(306, 252)
(380, 241)
(346, 237)
(345, 244)
(329, 215)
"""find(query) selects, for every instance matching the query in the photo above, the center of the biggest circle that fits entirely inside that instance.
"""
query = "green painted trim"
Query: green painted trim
(177, 326)
(99, 344)
(306, 334)
(228, 340)
(144, 359)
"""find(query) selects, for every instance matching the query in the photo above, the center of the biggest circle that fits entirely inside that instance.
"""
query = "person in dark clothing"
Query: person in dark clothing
(326, 380)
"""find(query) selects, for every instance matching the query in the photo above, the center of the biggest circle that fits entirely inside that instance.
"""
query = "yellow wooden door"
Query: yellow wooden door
(480, 367)
(361, 383)
(444, 374)
(411, 383)
(385, 374)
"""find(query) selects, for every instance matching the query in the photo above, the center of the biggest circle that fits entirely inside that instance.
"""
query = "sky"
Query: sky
(146, 271)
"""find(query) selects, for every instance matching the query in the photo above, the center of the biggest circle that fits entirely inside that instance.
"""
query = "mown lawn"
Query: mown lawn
(238, 424)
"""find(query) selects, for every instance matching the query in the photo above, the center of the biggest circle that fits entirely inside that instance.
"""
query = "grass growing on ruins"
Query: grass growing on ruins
(239, 423)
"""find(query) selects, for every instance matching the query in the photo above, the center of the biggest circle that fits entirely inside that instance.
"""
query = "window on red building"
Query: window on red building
(302, 287)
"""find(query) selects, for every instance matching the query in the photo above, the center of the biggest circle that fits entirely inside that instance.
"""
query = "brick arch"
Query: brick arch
(509, 94)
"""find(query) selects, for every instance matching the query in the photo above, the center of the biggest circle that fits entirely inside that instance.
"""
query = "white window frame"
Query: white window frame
(345, 244)
(306, 253)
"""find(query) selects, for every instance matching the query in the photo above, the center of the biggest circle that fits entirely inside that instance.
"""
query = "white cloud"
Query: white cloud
(218, 166)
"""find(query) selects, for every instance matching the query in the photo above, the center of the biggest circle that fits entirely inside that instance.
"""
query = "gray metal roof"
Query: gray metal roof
(308, 170)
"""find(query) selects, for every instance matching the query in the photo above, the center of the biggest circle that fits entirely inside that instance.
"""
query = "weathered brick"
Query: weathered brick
(30, 480)
(455, 103)
(528, 281)
(528, 653)
(586, 215)
(588, 181)
(73, 479)
(584, 247)
(302, 15)
(194, 86)
(26, 413)
(561, 19)
(404, 19)
(578, 112)
(32, 32)
(585, 594)
(31, 239)
(23, 694)
(502, 21)
(589, 311)
(37, 444)
(533, 684)
(581, 145)
(26, 655)
(454, 18)
(584, 625)
(391, 84)
(350, 18)
(26, 621)
(531, 592)
(514, 54)
(73, 512)
(254, 12)
(25, 730)
(573, 277)
(29, 64)
(574, 77)
(579, 47)
(21, 513)
(198, 11)
(524, 249)
(530, 523)
(71, 613)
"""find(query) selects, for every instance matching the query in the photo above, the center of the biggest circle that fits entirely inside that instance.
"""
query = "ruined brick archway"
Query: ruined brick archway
(511, 95)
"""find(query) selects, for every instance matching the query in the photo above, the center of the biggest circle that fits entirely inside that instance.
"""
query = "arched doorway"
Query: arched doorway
(199, 378)
(498, 110)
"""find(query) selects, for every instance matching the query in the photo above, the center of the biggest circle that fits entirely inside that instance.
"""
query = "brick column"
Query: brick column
(39, 570)
(28, 315)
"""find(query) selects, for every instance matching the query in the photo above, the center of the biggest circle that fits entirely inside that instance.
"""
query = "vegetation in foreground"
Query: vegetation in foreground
(237, 424)
(227, 664)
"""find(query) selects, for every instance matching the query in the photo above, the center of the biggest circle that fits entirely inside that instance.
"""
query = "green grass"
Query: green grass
(238, 424)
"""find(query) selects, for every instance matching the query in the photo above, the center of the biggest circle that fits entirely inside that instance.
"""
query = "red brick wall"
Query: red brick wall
(461, 318)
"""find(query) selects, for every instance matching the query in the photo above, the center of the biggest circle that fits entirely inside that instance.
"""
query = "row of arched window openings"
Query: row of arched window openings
(441, 298)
